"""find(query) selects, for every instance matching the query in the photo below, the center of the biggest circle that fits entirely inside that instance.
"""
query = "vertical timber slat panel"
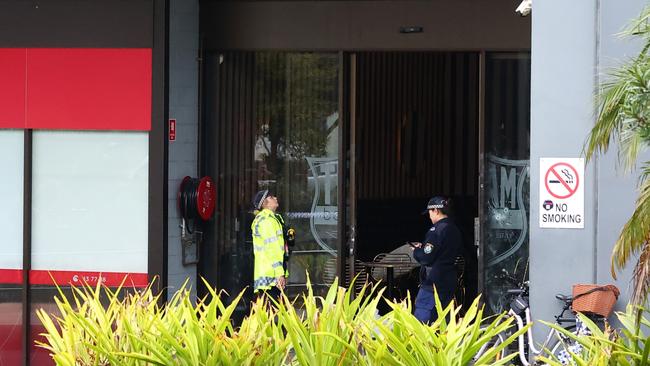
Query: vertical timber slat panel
(416, 119)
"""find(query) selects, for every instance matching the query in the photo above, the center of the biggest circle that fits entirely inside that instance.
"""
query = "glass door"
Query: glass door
(505, 188)
(272, 122)
(348, 180)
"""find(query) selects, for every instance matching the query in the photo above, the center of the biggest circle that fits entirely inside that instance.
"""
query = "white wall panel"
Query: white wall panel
(11, 199)
(90, 199)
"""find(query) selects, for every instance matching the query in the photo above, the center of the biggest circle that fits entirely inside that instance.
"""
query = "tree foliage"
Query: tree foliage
(624, 118)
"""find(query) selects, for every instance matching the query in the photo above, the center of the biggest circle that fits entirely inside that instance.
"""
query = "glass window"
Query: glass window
(273, 123)
(11, 246)
(89, 213)
(296, 155)
(90, 201)
(507, 148)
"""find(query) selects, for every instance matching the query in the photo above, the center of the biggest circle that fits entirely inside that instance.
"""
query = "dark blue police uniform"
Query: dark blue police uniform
(436, 256)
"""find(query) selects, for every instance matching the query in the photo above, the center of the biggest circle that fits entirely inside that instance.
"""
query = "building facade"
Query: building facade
(353, 112)
(562, 114)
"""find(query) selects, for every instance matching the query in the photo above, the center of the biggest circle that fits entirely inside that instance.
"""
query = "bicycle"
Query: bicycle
(556, 343)
(498, 300)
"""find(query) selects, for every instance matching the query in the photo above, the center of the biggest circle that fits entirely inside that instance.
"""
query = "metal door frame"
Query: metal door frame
(347, 192)
(479, 228)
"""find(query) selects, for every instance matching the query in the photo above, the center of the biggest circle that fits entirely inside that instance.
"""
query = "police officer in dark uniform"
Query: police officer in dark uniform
(436, 255)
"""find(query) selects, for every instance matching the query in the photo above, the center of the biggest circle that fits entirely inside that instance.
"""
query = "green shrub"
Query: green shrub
(628, 345)
(338, 329)
(403, 340)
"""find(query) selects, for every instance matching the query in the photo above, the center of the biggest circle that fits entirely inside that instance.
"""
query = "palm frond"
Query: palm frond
(623, 102)
(641, 272)
(642, 276)
(639, 27)
(624, 117)
(631, 142)
(635, 234)
(624, 114)
(607, 124)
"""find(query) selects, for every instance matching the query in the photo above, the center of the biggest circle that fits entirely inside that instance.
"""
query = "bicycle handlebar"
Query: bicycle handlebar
(564, 298)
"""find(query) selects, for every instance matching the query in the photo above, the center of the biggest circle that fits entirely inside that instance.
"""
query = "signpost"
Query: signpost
(561, 193)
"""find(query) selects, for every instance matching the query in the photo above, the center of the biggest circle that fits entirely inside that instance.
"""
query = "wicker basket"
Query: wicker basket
(594, 299)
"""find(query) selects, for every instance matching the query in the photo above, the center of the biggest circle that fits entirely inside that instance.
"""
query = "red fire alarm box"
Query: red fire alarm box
(172, 130)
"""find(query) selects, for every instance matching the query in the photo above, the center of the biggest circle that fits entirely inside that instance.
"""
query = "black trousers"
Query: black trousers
(425, 304)
(273, 293)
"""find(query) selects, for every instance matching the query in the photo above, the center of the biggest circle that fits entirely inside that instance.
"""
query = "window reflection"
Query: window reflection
(507, 145)
(11, 246)
(276, 124)
(11, 325)
(296, 152)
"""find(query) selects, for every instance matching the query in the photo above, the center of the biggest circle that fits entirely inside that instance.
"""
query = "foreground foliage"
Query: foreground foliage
(626, 346)
(337, 329)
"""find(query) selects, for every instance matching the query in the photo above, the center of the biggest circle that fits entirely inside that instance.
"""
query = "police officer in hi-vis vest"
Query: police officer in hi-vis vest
(271, 241)
(437, 255)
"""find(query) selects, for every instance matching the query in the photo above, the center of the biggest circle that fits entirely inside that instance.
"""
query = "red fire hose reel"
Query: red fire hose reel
(197, 198)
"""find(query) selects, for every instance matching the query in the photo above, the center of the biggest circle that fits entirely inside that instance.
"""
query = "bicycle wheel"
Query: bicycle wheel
(559, 346)
(492, 343)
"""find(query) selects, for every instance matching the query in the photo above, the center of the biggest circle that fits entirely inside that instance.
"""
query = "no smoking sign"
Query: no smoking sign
(562, 180)
(561, 193)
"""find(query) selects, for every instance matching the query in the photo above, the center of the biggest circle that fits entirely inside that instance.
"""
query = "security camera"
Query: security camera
(524, 8)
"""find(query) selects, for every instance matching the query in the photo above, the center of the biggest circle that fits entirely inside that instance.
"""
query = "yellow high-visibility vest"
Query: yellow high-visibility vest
(268, 247)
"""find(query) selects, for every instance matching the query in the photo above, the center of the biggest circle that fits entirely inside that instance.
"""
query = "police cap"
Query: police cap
(259, 198)
(436, 202)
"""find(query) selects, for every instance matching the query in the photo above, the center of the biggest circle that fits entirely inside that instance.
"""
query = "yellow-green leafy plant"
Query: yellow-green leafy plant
(134, 330)
(626, 346)
(88, 331)
(102, 326)
(401, 339)
(329, 330)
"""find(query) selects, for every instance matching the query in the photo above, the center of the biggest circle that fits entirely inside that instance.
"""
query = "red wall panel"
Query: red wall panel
(78, 278)
(88, 89)
(12, 87)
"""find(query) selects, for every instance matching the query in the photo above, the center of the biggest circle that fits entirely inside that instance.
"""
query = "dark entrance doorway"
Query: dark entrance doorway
(416, 132)
(354, 143)
(272, 122)
(390, 104)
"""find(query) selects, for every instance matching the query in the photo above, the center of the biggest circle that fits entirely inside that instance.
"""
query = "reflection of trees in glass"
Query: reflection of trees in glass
(296, 94)
(316, 265)
(507, 139)
(296, 109)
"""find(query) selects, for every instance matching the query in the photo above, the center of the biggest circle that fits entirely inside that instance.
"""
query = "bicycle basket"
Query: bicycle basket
(595, 299)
